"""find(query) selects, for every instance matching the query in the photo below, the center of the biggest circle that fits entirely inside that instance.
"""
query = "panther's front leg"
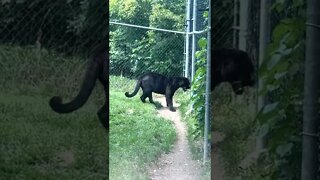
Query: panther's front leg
(169, 95)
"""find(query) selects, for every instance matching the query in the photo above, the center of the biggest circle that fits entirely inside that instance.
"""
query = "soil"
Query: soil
(177, 164)
(217, 170)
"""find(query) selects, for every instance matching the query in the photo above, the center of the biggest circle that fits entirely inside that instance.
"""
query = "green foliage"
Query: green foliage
(282, 72)
(137, 136)
(133, 50)
(198, 85)
(72, 26)
(234, 117)
(194, 138)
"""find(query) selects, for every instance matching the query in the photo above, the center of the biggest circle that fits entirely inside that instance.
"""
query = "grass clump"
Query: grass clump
(35, 142)
(137, 136)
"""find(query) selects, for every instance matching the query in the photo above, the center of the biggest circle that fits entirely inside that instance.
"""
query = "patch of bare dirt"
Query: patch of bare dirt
(217, 170)
(178, 164)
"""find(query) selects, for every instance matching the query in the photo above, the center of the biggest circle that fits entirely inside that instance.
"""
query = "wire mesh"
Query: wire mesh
(69, 27)
(135, 50)
(44, 47)
(222, 23)
(46, 38)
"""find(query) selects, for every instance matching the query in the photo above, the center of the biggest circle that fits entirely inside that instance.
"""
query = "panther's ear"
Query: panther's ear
(180, 83)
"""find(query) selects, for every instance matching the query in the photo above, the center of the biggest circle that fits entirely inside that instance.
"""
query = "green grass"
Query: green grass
(35, 142)
(195, 137)
(234, 116)
(137, 136)
(122, 85)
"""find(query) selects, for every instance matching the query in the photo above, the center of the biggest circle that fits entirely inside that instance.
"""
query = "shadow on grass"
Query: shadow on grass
(158, 105)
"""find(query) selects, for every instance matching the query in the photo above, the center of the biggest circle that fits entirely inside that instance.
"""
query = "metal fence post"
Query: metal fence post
(187, 44)
(244, 6)
(194, 23)
(235, 24)
(310, 163)
(208, 87)
(264, 38)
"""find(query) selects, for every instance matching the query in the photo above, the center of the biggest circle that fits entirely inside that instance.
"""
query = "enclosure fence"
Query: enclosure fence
(153, 48)
(254, 25)
(165, 56)
(70, 27)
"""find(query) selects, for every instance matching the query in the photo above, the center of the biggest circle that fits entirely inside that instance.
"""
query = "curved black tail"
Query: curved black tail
(136, 89)
(84, 93)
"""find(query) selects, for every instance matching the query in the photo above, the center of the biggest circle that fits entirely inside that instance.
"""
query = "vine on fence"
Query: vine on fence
(282, 72)
(199, 82)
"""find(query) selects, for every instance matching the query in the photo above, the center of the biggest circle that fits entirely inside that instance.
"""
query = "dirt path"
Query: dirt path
(177, 165)
(216, 166)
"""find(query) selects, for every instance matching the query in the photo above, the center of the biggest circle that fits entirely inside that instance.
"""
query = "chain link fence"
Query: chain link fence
(44, 48)
(152, 50)
(70, 27)
(154, 39)
(282, 20)
(41, 41)
(222, 23)
(234, 25)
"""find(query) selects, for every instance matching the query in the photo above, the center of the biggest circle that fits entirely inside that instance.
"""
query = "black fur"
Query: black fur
(233, 66)
(97, 69)
(160, 84)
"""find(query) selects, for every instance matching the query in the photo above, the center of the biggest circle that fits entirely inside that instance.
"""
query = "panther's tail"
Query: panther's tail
(84, 93)
(135, 90)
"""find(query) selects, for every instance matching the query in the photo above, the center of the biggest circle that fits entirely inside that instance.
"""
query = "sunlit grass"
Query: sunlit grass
(137, 136)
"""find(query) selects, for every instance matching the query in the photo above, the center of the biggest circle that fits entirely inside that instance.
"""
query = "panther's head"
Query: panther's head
(237, 86)
(237, 69)
(245, 78)
(184, 83)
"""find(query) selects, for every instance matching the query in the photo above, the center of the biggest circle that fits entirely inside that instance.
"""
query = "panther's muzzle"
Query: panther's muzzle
(186, 88)
(237, 87)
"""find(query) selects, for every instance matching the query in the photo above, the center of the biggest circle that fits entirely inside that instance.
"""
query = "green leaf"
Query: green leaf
(271, 87)
(264, 130)
(275, 59)
(280, 75)
(198, 104)
(268, 112)
(281, 33)
(199, 54)
(206, 14)
(284, 149)
(202, 43)
(270, 107)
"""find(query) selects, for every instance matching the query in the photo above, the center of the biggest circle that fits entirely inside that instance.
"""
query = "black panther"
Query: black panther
(157, 83)
(233, 66)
